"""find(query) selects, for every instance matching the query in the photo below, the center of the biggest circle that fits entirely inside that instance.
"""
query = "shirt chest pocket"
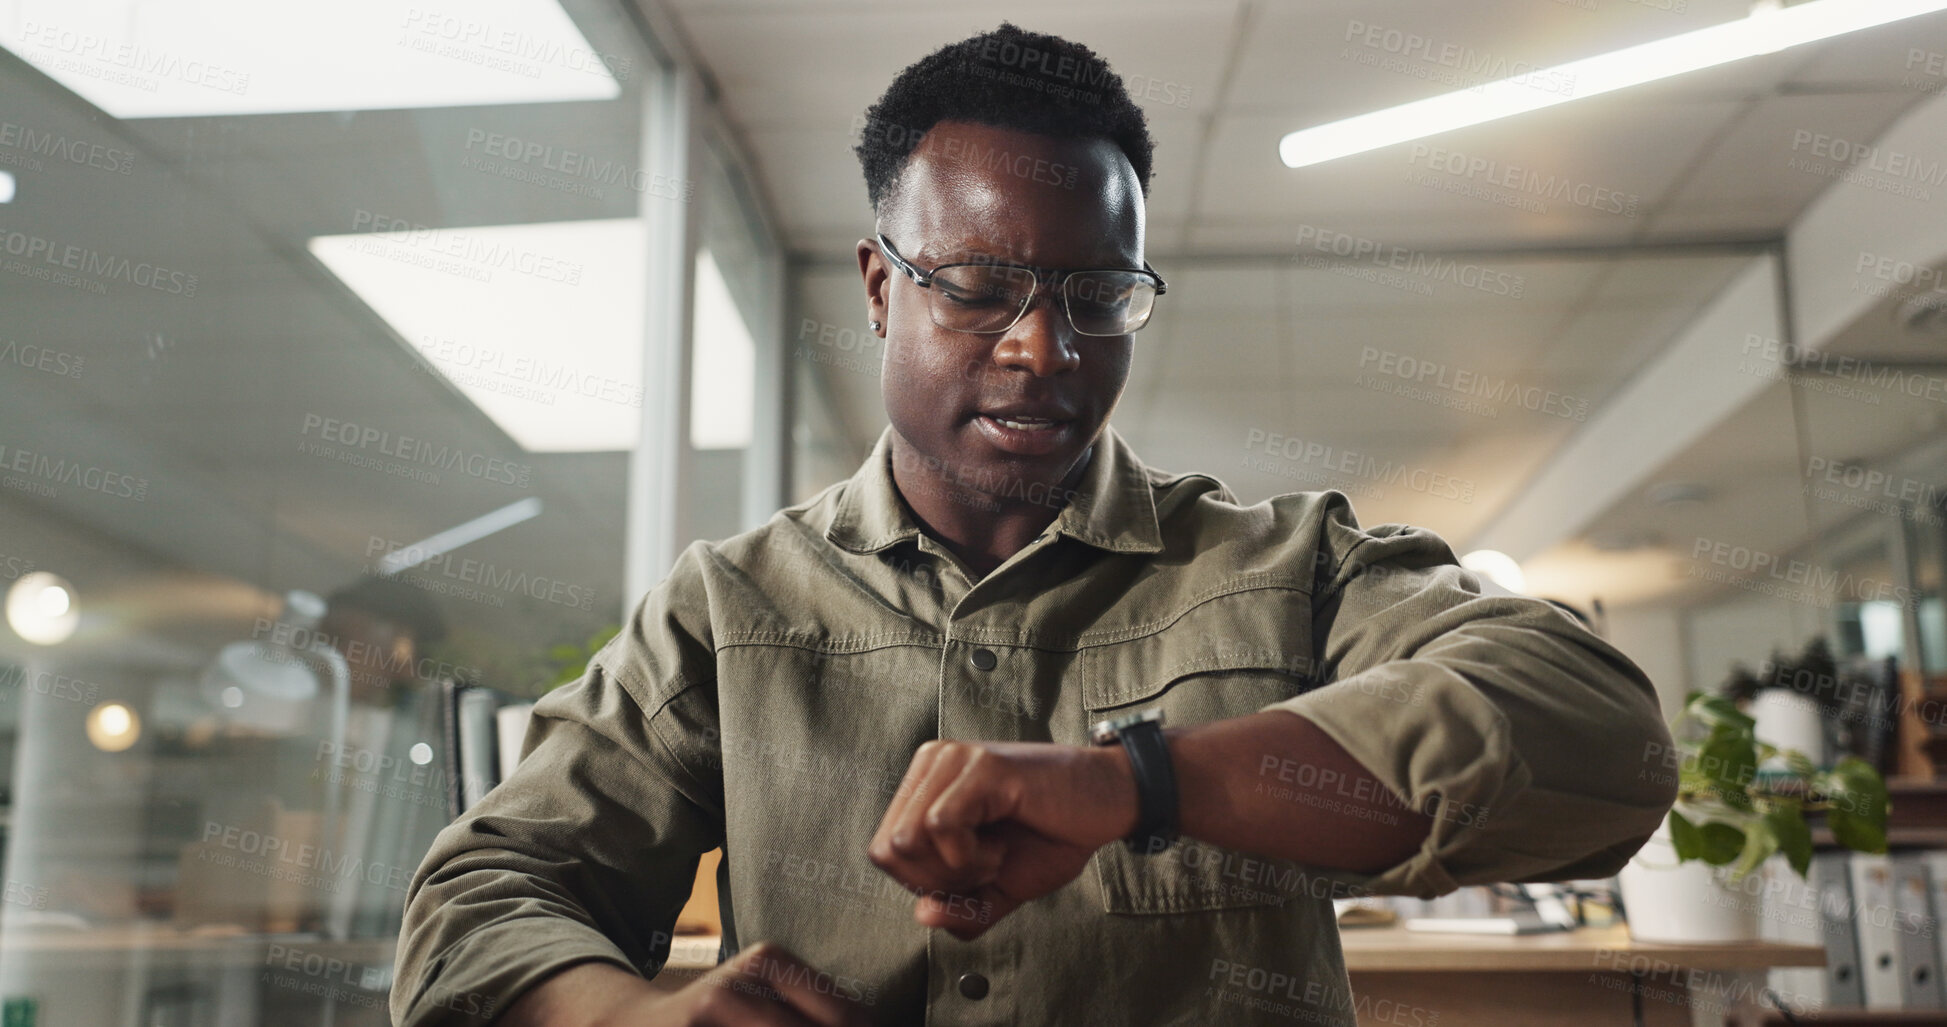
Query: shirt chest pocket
(1228, 656)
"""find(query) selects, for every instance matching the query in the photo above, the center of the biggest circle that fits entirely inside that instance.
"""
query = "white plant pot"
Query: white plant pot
(1789, 720)
(1687, 903)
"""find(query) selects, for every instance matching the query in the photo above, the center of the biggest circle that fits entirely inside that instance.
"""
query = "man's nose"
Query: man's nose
(1042, 342)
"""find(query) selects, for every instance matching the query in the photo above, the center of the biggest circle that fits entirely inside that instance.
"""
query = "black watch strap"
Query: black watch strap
(1156, 799)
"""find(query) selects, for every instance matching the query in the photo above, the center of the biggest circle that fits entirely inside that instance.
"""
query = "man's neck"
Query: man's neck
(979, 529)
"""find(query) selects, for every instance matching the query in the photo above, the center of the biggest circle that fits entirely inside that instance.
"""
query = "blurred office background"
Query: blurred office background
(352, 352)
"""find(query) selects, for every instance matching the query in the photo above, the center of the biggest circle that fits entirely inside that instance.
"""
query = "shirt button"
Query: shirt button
(973, 986)
(983, 659)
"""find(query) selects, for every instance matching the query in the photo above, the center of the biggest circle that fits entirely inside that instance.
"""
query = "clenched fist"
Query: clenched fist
(978, 828)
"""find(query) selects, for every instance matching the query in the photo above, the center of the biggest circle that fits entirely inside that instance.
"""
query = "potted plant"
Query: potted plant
(1689, 884)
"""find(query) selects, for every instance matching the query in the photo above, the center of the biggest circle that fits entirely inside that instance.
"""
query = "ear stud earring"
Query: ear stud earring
(875, 325)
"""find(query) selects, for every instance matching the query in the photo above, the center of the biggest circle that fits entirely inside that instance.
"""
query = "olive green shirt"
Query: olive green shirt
(767, 696)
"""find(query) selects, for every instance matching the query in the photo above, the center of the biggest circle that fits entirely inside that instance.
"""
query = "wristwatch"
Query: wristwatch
(1141, 735)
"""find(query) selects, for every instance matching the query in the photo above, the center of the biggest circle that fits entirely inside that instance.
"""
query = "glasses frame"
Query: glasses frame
(1059, 281)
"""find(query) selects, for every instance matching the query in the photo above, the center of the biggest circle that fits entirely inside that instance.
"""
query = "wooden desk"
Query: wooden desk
(1589, 977)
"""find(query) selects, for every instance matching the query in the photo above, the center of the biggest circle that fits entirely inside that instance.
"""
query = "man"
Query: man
(391, 804)
(881, 702)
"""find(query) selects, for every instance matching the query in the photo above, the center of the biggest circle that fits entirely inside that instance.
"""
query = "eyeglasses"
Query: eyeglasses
(989, 297)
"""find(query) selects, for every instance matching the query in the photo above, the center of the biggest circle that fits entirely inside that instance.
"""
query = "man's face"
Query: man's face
(373, 646)
(972, 193)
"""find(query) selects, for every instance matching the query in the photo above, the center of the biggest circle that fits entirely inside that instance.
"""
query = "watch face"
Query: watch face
(1108, 730)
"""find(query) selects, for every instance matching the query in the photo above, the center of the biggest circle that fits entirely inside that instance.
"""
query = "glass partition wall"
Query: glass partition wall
(320, 392)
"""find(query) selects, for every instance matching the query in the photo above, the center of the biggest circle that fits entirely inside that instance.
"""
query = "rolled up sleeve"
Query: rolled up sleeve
(588, 850)
(1522, 734)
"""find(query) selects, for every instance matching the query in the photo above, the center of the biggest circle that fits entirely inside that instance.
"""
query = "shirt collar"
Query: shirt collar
(1113, 507)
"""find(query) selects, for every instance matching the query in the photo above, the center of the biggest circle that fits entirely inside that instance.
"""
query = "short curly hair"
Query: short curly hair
(1007, 78)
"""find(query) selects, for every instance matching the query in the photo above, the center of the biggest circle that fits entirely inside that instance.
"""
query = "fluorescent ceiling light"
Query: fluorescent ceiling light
(1497, 567)
(540, 325)
(459, 535)
(1765, 31)
(179, 58)
(723, 365)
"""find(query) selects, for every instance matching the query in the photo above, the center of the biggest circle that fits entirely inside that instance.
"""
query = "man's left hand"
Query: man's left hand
(978, 828)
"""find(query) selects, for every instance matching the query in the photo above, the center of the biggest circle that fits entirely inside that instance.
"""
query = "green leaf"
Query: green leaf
(1859, 805)
(1721, 843)
(1716, 711)
(1760, 841)
(1787, 824)
(1685, 838)
(1730, 760)
(1799, 764)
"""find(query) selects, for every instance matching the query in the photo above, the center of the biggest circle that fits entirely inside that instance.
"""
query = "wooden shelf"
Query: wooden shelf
(1395, 950)
(1860, 1017)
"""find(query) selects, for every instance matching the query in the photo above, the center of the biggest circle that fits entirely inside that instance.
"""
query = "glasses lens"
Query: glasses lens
(980, 297)
(1109, 302)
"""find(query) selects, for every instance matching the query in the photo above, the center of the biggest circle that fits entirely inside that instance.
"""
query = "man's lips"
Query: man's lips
(1025, 423)
(1024, 433)
(1029, 416)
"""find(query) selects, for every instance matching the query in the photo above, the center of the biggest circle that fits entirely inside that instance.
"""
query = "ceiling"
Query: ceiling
(1706, 154)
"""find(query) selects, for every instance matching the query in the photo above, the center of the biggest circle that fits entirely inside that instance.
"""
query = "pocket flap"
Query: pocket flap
(1261, 627)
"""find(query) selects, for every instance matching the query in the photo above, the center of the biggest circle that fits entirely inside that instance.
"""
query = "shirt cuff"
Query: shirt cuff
(479, 976)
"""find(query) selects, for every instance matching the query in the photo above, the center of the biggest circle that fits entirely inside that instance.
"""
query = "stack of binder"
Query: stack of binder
(1876, 915)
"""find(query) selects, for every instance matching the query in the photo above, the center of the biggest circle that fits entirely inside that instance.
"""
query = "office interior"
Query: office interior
(467, 319)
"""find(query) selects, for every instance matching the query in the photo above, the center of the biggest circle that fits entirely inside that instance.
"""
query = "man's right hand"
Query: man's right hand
(764, 984)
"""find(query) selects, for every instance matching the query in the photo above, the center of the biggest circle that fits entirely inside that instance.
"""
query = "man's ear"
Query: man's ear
(878, 281)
